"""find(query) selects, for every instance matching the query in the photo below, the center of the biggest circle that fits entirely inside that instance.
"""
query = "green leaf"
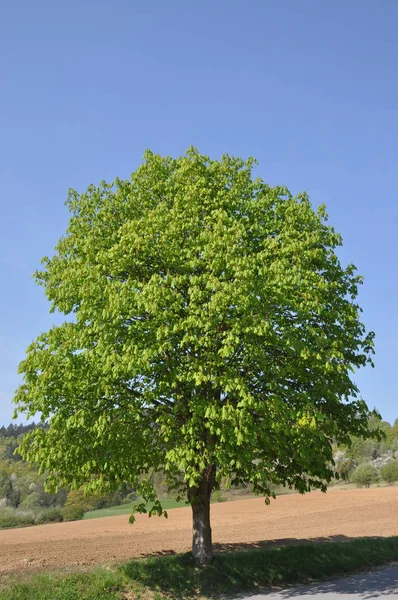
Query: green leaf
(210, 327)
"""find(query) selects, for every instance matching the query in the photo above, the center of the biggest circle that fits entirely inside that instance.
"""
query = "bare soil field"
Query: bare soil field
(241, 524)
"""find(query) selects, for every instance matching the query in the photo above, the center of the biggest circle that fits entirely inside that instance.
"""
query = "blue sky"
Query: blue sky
(309, 88)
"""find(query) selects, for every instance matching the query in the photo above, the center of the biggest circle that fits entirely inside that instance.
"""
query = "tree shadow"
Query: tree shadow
(276, 543)
(252, 567)
(258, 545)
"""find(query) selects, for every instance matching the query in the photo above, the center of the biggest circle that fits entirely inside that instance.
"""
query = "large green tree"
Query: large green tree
(212, 333)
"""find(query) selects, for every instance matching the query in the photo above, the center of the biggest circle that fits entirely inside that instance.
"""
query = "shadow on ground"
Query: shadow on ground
(260, 545)
(267, 544)
(251, 567)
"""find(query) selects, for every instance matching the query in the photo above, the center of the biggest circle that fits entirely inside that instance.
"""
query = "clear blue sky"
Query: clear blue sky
(309, 88)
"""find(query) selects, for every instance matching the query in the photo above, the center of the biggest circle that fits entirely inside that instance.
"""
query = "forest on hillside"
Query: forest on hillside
(23, 497)
(25, 501)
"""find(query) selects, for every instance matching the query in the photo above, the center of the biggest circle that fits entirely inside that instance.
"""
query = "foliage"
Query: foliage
(21, 517)
(14, 430)
(345, 467)
(364, 475)
(390, 472)
(126, 509)
(35, 503)
(23, 500)
(218, 496)
(49, 515)
(22, 488)
(11, 493)
(374, 452)
(231, 573)
(33, 500)
(211, 332)
(10, 517)
(9, 451)
(73, 512)
(76, 505)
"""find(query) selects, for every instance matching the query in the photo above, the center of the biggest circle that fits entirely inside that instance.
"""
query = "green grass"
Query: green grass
(176, 577)
(126, 509)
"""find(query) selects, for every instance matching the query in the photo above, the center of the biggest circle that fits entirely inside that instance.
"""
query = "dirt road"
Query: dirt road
(240, 524)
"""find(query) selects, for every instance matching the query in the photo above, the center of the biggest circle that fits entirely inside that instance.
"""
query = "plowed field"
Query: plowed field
(236, 525)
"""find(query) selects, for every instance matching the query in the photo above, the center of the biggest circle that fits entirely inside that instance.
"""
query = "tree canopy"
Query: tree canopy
(212, 332)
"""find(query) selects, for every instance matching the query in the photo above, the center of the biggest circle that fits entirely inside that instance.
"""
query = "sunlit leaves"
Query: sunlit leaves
(212, 324)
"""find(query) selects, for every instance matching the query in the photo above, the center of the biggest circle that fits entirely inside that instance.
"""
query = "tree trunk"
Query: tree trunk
(199, 498)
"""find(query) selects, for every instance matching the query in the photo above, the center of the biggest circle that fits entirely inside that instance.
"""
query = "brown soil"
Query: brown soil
(236, 525)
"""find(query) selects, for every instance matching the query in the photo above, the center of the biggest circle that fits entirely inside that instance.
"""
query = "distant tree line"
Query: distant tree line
(15, 430)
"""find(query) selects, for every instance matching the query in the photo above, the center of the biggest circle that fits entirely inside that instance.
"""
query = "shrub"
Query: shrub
(34, 500)
(73, 512)
(14, 497)
(76, 505)
(9, 491)
(217, 496)
(390, 472)
(344, 466)
(364, 475)
(104, 501)
(7, 517)
(10, 517)
(49, 515)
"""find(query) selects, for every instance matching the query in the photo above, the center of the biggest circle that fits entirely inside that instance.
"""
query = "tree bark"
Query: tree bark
(199, 498)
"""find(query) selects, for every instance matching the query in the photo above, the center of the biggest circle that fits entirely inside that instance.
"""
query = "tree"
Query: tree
(33, 500)
(390, 472)
(212, 331)
(9, 452)
(364, 475)
(9, 490)
(76, 505)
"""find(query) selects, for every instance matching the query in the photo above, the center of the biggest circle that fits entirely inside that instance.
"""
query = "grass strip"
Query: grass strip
(177, 577)
(126, 509)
